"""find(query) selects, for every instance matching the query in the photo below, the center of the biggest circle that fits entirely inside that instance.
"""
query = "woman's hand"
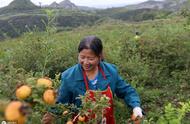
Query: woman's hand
(47, 118)
(137, 115)
(137, 112)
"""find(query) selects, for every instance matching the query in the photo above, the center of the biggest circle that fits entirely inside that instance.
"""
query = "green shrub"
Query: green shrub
(39, 52)
(174, 115)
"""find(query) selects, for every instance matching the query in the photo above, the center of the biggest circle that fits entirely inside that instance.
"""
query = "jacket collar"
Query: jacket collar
(78, 73)
(106, 72)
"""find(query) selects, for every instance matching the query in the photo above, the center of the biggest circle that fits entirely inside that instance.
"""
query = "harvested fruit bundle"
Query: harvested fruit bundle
(36, 94)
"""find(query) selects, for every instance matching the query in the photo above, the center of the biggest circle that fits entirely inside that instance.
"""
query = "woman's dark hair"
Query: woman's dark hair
(91, 42)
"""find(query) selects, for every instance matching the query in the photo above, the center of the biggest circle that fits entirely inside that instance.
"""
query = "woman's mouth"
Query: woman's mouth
(87, 67)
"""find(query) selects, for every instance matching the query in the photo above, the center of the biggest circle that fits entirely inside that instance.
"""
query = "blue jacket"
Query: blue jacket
(72, 85)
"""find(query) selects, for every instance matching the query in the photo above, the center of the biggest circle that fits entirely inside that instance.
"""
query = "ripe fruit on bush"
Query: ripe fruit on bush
(69, 122)
(49, 96)
(81, 118)
(65, 112)
(23, 92)
(137, 37)
(44, 81)
(12, 112)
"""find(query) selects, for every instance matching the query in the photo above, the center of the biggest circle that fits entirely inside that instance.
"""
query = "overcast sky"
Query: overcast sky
(90, 3)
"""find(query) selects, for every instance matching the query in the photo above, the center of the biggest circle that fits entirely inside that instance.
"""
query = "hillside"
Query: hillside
(125, 14)
(18, 6)
(151, 4)
(66, 4)
(14, 17)
(169, 5)
(15, 25)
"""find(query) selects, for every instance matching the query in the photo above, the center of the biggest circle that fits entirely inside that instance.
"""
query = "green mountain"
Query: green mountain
(122, 13)
(17, 6)
(169, 5)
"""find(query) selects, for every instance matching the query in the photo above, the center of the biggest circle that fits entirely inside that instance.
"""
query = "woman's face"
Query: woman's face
(88, 59)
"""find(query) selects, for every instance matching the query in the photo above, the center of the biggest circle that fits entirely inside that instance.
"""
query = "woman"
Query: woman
(91, 73)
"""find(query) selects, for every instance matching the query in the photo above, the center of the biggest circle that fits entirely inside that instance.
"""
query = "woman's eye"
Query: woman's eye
(81, 57)
(91, 59)
(88, 58)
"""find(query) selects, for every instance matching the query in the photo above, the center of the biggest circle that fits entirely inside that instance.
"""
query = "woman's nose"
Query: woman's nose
(86, 61)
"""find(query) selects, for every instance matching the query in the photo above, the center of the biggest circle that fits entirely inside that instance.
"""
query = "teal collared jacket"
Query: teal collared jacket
(72, 85)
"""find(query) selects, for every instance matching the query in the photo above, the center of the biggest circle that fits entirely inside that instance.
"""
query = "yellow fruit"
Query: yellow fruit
(65, 112)
(69, 122)
(49, 96)
(81, 118)
(44, 82)
(12, 112)
(23, 92)
(137, 37)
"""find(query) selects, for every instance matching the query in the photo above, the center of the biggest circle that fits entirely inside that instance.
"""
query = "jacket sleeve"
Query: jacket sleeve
(64, 94)
(125, 91)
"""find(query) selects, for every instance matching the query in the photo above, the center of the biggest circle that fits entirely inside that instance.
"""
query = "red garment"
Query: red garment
(108, 115)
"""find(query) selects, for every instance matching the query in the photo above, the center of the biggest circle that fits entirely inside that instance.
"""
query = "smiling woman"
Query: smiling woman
(92, 74)
(90, 54)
